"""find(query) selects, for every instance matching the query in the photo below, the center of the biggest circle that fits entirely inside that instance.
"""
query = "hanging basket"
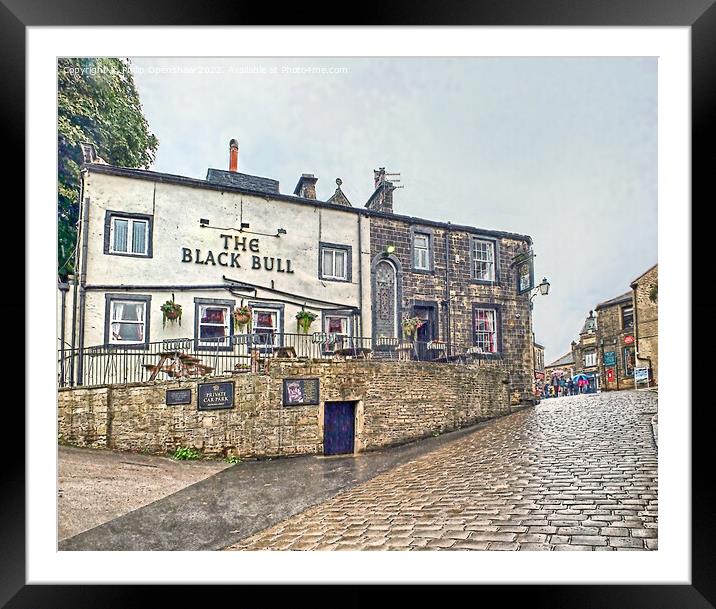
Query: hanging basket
(242, 316)
(304, 319)
(171, 311)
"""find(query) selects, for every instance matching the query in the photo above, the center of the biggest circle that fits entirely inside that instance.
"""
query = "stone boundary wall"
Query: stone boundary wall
(396, 402)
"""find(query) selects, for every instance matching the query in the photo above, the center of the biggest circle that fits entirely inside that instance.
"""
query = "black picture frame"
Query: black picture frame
(699, 15)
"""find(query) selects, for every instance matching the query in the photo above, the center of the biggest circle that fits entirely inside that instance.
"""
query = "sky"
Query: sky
(561, 149)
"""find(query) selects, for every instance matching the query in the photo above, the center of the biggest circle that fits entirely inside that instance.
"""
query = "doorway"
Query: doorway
(339, 428)
(428, 312)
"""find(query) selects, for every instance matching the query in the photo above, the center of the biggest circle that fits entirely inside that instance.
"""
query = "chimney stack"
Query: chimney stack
(306, 186)
(233, 155)
(382, 198)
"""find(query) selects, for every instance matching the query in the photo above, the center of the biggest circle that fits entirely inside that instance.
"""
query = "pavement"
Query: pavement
(220, 510)
(576, 473)
(96, 486)
(573, 473)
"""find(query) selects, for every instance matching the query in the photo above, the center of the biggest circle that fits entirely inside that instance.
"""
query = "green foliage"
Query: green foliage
(233, 459)
(654, 293)
(305, 319)
(97, 102)
(186, 453)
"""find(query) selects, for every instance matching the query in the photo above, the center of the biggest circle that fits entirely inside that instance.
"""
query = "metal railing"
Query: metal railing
(189, 357)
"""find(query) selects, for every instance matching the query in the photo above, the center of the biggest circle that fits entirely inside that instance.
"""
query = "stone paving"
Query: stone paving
(571, 474)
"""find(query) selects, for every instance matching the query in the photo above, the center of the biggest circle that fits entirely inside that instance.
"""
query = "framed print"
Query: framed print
(486, 123)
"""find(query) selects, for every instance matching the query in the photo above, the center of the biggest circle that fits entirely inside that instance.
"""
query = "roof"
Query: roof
(633, 283)
(562, 361)
(168, 178)
(626, 297)
(242, 180)
(590, 324)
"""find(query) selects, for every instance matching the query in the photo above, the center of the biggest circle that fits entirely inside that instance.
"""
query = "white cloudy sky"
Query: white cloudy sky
(562, 149)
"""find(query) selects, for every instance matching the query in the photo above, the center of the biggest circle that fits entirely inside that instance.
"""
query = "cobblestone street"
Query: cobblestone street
(573, 473)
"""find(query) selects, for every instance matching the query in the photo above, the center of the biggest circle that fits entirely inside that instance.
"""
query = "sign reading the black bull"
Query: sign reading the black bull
(300, 392)
(234, 247)
(214, 396)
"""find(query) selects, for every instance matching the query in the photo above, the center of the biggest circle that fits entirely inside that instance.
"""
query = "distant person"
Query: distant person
(570, 387)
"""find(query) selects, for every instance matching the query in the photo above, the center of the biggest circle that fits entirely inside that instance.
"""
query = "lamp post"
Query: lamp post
(542, 289)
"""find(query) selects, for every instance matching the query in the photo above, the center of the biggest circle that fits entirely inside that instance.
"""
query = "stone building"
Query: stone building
(616, 349)
(148, 239)
(562, 366)
(621, 334)
(460, 280)
(539, 367)
(646, 318)
(585, 353)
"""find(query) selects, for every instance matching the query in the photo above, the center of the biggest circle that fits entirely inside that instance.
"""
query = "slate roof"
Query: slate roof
(562, 361)
(242, 180)
(636, 281)
(617, 300)
(156, 176)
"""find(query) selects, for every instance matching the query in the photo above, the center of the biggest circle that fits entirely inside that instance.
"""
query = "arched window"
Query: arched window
(386, 300)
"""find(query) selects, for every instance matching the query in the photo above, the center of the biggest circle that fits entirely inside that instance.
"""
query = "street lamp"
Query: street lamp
(542, 289)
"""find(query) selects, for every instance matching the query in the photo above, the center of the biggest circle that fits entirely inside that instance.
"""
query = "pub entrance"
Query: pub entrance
(428, 312)
(339, 428)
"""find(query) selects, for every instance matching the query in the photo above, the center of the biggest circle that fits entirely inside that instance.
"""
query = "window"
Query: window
(590, 358)
(334, 262)
(483, 260)
(265, 324)
(213, 325)
(628, 317)
(128, 234)
(485, 338)
(421, 251)
(337, 327)
(127, 320)
(629, 361)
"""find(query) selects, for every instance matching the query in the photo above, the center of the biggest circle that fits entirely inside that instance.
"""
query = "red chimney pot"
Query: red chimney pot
(233, 155)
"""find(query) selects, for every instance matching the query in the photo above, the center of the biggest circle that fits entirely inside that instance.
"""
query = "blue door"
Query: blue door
(338, 428)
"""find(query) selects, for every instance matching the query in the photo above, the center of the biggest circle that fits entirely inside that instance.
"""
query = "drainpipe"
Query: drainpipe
(64, 287)
(83, 295)
(75, 284)
(636, 339)
(359, 317)
(448, 336)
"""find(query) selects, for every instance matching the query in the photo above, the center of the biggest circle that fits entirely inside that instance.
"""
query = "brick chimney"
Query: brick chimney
(233, 155)
(306, 186)
(382, 197)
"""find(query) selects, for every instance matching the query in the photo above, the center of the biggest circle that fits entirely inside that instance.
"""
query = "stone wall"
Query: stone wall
(611, 335)
(647, 319)
(396, 402)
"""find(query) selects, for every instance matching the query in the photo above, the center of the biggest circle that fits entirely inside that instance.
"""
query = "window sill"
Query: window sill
(334, 279)
(128, 255)
(139, 346)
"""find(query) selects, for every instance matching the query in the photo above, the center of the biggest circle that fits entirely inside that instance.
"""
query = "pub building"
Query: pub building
(215, 246)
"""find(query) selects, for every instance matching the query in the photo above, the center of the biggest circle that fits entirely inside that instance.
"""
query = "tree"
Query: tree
(98, 103)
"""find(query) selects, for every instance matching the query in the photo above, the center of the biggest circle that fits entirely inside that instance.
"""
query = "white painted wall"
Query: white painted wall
(176, 210)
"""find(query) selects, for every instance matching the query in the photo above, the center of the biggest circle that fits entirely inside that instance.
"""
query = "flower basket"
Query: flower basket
(171, 311)
(304, 319)
(242, 316)
(410, 327)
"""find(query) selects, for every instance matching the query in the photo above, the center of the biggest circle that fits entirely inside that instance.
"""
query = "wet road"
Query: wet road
(576, 473)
